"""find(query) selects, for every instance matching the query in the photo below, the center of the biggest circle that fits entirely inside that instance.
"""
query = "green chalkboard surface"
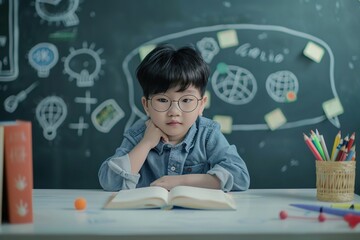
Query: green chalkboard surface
(68, 66)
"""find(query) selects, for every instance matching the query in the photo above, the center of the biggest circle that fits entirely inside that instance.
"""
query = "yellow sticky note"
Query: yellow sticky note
(275, 119)
(227, 38)
(333, 108)
(144, 50)
(208, 102)
(314, 52)
(225, 123)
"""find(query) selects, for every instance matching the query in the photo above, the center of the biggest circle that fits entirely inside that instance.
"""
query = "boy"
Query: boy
(176, 145)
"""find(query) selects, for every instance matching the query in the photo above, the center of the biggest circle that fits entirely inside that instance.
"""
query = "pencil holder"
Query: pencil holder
(335, 181)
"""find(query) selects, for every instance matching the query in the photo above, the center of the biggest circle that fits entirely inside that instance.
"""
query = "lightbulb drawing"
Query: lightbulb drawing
(43, 57)
(20, 183)
(51, 113)
(84, 65)
(22, 208)
(208, 48)
(58, 11)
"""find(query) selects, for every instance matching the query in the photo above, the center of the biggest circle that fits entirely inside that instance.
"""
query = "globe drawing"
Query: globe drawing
(233, 84)
(280, 83)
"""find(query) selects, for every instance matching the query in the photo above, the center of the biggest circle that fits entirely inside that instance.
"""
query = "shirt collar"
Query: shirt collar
(187, 142)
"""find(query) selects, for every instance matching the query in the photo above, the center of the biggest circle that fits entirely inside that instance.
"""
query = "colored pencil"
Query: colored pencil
(317, 144)
(337, 150)
(341, 153)
(355, 206)
(346, 140)
(329, 210)
(323, 144)
(351, 141)
(344, 155)
(336, 143)
(351, 154)
(312, 147)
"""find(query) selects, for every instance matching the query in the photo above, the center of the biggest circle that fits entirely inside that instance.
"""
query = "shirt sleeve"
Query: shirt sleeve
(115, 174)
(226, 163)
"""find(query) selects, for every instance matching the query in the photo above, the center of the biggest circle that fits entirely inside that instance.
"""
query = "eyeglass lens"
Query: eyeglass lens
(186, 103)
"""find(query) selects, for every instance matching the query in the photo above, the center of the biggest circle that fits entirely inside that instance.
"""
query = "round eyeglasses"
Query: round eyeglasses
(162, 103)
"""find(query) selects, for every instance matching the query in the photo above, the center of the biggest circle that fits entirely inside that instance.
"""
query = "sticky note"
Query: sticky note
(225, 123)
(208, 102)
(314, 52)
(144, 50)
(333, 108)
(275, 119)
(227, 38)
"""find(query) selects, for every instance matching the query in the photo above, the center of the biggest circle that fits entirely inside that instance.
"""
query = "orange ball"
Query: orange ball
(80, 203)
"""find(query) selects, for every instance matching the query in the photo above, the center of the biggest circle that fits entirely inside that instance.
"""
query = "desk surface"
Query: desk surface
(255, 218)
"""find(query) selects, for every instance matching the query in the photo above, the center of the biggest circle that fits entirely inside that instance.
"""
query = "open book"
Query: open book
(180, 196)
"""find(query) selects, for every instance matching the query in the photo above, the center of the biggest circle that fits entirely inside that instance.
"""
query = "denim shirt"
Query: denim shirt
(203, 150)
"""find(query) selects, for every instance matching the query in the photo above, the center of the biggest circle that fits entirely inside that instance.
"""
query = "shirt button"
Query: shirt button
(188, 170)
(172, 168)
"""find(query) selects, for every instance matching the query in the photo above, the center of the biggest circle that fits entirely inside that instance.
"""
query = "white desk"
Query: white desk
(255, 218)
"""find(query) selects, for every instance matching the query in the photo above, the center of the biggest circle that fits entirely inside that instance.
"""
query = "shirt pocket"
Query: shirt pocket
(195, 168)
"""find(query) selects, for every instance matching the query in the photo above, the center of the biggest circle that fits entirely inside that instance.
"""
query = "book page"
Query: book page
(200, 198)
(147, 197)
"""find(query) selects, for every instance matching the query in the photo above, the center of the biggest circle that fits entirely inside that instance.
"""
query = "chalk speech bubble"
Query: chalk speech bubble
(255, 74)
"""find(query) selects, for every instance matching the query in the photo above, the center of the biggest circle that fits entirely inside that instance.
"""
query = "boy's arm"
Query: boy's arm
(194, 180)
(138, 155)
(226, 163)
(151, 138)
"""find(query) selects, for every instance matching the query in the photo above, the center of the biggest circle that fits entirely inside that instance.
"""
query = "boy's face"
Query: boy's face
(173, 121)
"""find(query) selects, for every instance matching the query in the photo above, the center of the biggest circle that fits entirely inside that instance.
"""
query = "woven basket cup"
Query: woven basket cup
(335, 181)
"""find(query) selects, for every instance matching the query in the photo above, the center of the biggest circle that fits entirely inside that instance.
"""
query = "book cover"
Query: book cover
(180, 196)
(18, 172)
(1, 170)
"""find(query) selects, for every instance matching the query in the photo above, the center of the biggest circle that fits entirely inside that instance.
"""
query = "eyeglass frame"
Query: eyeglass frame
(177, 101)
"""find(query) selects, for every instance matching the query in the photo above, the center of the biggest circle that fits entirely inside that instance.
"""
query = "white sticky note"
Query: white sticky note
(145, 50)
(227, 38)
(314, 52)
(332, 108)
(275, 119)
(225, 123)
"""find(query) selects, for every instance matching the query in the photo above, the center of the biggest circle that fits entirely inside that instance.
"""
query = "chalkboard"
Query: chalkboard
(68, 66)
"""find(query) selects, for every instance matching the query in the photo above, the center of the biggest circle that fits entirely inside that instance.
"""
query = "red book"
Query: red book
(18, 172)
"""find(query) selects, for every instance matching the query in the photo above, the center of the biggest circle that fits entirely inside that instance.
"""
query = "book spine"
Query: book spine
(1, 171)
(19, 172)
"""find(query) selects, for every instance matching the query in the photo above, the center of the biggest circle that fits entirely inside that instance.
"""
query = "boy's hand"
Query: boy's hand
(195, 180)
(153, 134)
(168, 182)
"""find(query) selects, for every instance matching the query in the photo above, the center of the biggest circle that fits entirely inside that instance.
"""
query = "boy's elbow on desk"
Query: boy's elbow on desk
(242, 182)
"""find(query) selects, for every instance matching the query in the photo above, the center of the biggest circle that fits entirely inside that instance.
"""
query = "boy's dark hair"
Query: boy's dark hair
(165, 67)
